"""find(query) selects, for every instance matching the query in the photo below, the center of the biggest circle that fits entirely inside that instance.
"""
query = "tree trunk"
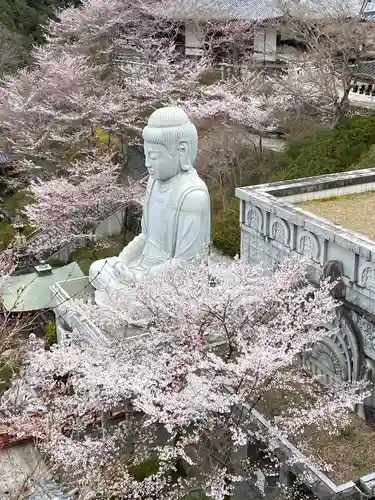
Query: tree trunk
(341, 108)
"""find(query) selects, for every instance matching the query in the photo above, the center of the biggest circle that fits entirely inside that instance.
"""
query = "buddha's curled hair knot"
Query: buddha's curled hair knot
(170, 126)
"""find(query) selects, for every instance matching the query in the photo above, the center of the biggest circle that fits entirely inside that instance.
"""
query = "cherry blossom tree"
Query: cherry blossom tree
(69, 209)
(337, 37)
(7, 262)
(190, 359)
(248, 100)
(51, 109)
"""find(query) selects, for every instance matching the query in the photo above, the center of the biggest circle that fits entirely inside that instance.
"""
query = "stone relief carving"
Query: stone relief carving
(349, 342)
(308, 245)
(254, 218)
(337, 357)
(367, 330)
(334, 270)
(368, 278)
(280, 231)
(329, 361)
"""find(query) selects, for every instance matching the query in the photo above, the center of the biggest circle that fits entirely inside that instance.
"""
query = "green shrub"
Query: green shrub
(6, 234)
(50, 333)
(367, 160)
(16, 201)
(226, 229)
(6, 373)
(210, 76)
(327, 150)
(144, 469)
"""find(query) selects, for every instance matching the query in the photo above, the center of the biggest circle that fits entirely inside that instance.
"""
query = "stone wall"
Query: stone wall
(272, 227)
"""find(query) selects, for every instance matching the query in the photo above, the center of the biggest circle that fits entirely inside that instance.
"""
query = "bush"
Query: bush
(50, 333)
(328, 150)
(367, 160)
(144, 469)
(226, 229)
(6, 234)
(210, 76)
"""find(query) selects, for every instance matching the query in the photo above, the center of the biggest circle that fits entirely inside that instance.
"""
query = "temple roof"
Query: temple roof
(262, 10)
(255, 10)
(31, 292)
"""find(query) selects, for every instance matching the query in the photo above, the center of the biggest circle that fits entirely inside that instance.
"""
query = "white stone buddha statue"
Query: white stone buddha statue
(176, 215)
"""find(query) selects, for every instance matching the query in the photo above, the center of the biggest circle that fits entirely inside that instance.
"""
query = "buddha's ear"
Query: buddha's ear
(184, 155)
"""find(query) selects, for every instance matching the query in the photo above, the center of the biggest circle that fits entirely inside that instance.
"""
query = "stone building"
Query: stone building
(328, 220)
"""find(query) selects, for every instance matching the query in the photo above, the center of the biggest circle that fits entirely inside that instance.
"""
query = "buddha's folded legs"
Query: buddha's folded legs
(102, 275)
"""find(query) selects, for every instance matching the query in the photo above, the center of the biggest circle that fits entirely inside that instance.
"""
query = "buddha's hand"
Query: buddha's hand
(122, 271)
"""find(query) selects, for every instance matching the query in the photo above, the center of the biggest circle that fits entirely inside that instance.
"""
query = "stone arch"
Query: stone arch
(280, 231)
(308, 245)
(254, 218)
(337, 357)
(366, 276)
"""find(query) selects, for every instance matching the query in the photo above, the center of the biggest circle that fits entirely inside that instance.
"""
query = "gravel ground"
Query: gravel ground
(354, 211)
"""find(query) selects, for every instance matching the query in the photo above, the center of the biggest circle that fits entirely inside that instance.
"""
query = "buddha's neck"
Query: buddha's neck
(166, 185)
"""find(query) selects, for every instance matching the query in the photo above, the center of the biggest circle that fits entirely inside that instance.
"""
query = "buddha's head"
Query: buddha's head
(170, 143)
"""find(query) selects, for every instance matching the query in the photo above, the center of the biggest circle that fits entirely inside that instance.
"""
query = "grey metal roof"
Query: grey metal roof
(30, 292)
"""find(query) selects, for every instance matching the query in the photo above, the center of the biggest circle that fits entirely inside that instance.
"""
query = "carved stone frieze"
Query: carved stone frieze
(367, 329)
(280, 231)
(334, 270)
(367, 277)
(254, 218)
(330, 361)
(336, 357)
(308, 245)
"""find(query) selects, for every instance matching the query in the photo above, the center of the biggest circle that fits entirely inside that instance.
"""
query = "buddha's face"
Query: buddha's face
(160, 163)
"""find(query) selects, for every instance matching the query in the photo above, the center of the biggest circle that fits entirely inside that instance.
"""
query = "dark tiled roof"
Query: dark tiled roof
(4, 158)
(254, 10)
(369, 16)
(261, 10)
(367, 68)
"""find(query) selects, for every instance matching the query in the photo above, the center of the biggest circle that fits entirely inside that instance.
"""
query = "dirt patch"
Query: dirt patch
(352, 212)
(351, 452)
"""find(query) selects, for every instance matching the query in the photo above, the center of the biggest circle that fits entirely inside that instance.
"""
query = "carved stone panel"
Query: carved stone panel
(367, 329)
(308, 245)
(330, 361)
(334, 270)
(280, 231)
(367, 277)
(336, 357)
(254, 218)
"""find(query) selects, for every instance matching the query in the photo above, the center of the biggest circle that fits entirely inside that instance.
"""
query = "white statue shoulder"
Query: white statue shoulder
(196, 200)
